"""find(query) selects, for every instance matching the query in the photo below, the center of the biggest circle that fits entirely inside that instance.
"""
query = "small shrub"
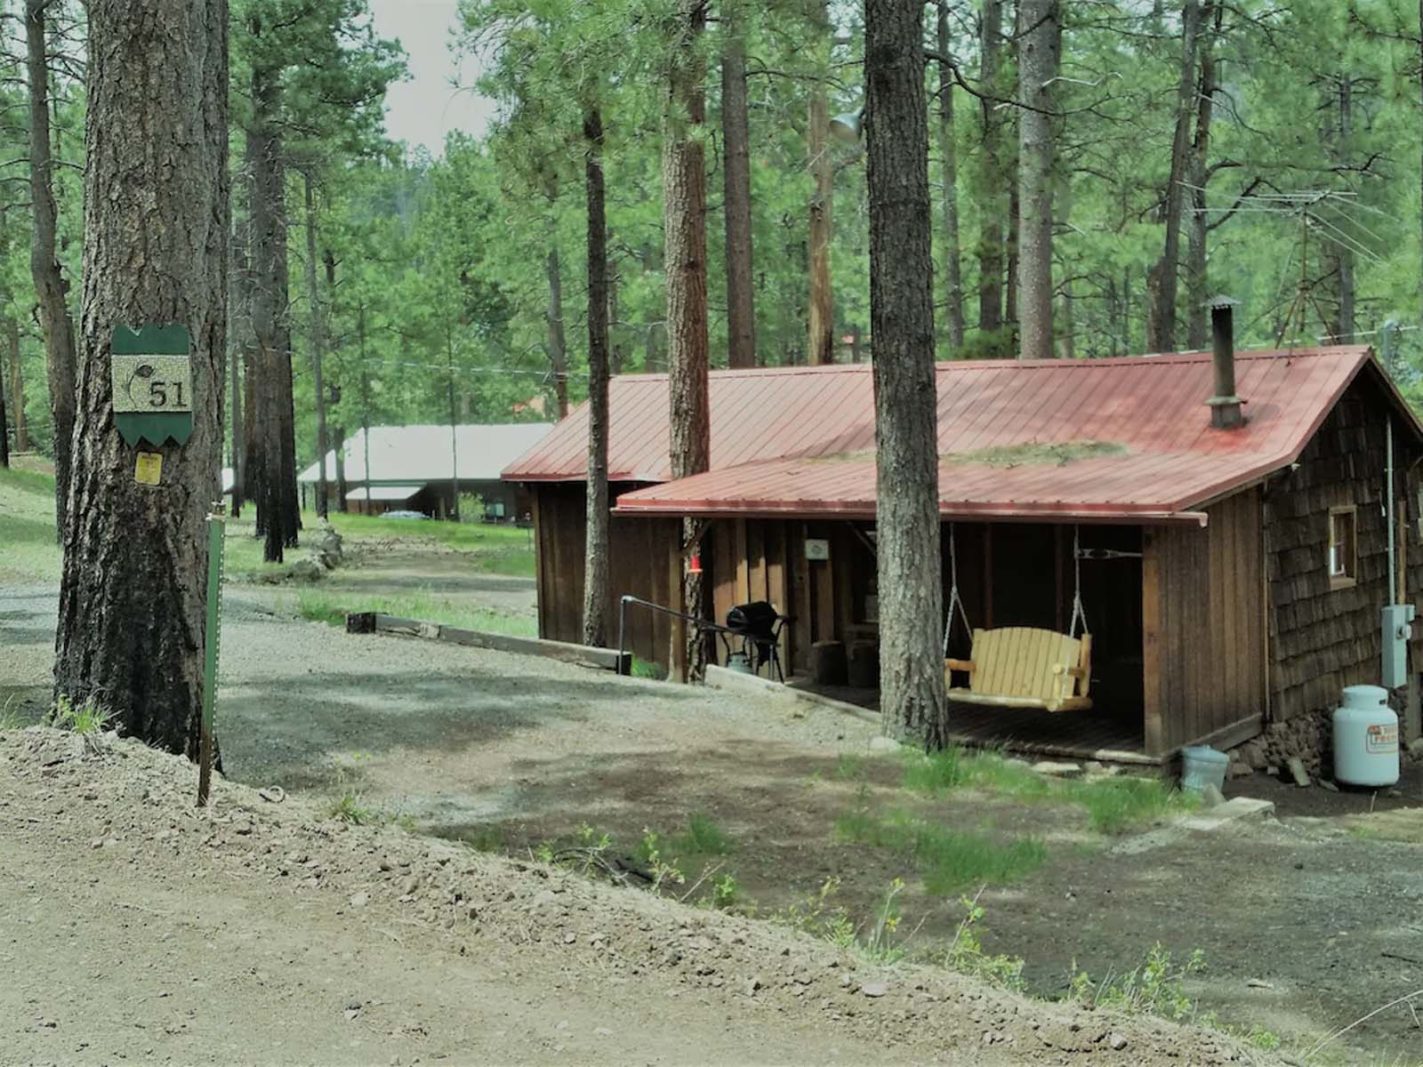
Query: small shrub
(663, 869)
(965, 953)
(348, 808)
(702, 838)
(87, 717)
(642, 668)
(1157, 987)
(849, 767)
(726, 892)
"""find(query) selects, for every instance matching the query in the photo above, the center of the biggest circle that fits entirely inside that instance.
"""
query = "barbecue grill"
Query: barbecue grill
(758, 625)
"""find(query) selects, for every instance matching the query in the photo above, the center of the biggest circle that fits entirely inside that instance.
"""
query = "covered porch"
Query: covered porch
(1175, 613)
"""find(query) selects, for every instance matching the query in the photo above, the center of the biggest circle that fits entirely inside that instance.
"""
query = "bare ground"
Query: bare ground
(1307, 924)
(144, 929)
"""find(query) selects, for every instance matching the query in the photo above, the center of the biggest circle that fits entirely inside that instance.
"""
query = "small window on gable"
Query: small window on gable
(1343, 547)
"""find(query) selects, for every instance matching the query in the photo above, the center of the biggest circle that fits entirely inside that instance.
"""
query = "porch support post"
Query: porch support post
(1154, 710)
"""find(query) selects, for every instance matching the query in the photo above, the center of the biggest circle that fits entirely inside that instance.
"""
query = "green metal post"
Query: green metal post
(217, 522)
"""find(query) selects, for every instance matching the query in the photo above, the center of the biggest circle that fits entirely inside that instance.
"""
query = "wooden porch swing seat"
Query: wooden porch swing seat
(1024, 667)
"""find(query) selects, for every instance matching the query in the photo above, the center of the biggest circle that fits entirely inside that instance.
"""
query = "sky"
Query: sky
(426, 106)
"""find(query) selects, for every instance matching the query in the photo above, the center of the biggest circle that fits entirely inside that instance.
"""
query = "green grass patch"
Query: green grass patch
(642, 668)
(27, 527)
(87, 717)
(1113, 805)
(333, 605)
(493, 549)
(703, 837)
(947, 860)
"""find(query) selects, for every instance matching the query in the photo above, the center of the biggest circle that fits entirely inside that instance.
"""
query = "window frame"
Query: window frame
(1348, 576)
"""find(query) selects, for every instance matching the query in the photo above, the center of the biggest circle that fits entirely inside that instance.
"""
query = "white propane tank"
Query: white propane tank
(1365, 738)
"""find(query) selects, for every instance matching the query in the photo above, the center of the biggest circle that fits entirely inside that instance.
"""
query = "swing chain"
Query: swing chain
(955, 600)
(1079, 614)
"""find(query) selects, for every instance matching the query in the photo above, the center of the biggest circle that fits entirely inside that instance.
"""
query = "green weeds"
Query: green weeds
(946, 859)
(1156, 987)
(1113, 805)
(86, 717)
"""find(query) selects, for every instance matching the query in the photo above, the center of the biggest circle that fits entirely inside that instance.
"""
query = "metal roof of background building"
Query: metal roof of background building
(402, 455)
(1139, 444)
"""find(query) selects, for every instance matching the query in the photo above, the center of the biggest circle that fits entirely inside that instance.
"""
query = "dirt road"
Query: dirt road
(141, 929)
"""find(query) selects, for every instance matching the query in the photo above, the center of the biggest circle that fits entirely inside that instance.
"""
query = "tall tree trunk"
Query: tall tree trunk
(1197, 281)
(4, 420)
(821, 316)
(597, 594)
(338, 445)
(17, 386)
(238, 330)
(736, 194)
(1162, 278)
(1341, 256)
(133, 592)
(1039, 54)
(948, 155)
(318, 346)
(557, 347)
(685, 258)
(51, 289)
(614, 321)
(990, 174)
(902, 343)
(271, 395)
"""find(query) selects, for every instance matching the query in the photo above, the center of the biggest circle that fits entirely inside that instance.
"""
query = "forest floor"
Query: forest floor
(779, 810)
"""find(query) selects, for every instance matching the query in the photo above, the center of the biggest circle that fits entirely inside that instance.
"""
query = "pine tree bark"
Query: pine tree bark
(685, 260)
(736, 195)
(133, 594)
(821, 313)
(4, 420)
(597, 594)
(1339, 256)
(270, 397)
(990, 173)
(557, 345)
(318, 346)
(237, 332)
(51, 289)
(17, 387)
(1039, 54)
(1164, 274)
(948, 155)
(902, 343)
(1197, 234)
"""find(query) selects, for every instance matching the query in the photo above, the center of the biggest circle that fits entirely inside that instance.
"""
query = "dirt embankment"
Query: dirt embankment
(262, 930)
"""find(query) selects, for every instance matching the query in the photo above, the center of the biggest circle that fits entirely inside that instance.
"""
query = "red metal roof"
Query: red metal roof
(800, 440)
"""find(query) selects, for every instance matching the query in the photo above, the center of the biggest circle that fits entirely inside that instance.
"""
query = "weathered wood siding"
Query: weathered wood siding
(1322, 639)
(643, 553)
(1203, 615)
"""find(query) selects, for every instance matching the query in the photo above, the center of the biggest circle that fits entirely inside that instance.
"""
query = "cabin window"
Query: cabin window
(1343, 547)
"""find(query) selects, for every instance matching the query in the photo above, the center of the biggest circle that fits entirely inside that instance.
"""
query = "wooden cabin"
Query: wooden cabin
(1231, 575)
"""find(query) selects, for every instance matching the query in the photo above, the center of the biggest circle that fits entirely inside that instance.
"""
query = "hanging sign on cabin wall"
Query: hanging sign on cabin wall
(152, 373)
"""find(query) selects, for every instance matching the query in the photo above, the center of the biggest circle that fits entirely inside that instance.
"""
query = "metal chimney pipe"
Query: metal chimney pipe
(1225, 405)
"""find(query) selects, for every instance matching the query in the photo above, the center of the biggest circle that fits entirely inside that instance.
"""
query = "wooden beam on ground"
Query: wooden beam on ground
(608, 659)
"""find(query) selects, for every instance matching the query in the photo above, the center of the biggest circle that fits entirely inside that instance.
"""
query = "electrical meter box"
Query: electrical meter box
(1397, 628)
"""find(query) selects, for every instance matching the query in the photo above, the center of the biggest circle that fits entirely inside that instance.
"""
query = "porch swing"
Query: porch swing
(1022, 666)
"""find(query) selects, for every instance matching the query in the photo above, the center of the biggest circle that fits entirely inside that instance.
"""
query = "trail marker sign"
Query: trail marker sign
(152, 375)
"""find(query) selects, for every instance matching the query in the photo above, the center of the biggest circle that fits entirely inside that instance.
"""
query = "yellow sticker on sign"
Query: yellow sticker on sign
(149, 469)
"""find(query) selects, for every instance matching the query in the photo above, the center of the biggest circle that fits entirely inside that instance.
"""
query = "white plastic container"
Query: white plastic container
(1365, 738)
